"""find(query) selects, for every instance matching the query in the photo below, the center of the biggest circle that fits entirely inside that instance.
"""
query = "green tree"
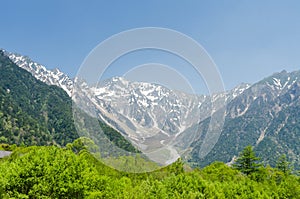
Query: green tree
(283, 165)
(247, 161)
(83, 143)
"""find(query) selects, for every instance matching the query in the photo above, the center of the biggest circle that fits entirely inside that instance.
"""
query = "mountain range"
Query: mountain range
(35, 113)
(264, 114)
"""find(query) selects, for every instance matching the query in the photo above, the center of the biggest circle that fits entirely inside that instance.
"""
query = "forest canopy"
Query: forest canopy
(55, 172)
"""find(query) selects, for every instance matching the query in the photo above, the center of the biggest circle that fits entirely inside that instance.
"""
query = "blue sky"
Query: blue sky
(248, 40)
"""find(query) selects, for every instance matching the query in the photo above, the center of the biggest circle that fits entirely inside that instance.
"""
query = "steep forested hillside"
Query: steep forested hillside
(34, 113)
(31, 112)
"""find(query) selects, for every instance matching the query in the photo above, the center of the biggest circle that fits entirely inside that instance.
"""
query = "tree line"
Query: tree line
(74, 172)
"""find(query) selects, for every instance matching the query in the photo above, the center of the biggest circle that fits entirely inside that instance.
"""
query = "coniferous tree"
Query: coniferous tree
(283, 165)
(247, 162)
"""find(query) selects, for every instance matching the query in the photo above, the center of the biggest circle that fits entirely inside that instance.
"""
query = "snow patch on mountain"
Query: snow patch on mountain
(50, 77)
(138, 109)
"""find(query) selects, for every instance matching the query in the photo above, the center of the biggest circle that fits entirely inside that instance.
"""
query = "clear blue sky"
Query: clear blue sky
(248, 40)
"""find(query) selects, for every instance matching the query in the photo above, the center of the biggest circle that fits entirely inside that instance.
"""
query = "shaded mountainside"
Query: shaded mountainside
(266, 116)
(34, 113)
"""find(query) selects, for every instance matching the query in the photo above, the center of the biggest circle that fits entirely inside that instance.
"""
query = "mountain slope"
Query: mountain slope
(266, 116)
(34, 113)
(144, 109)
(31, 111)
(149, 115)
(50, 77)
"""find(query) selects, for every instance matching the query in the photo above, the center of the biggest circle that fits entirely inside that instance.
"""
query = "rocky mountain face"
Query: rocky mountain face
(50, 77)
(264, 114)
(137, 109)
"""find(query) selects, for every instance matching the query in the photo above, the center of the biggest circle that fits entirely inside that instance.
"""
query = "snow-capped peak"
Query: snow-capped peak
(51, 77)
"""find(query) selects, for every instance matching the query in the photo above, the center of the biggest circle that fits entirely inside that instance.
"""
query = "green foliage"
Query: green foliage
(247, 161)
(52, 172)
(34, 113)
(83, 143)
(132, 164)
(31, 112)
(218, 171)
(283, 165)
(7, 147)
(116, 138)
